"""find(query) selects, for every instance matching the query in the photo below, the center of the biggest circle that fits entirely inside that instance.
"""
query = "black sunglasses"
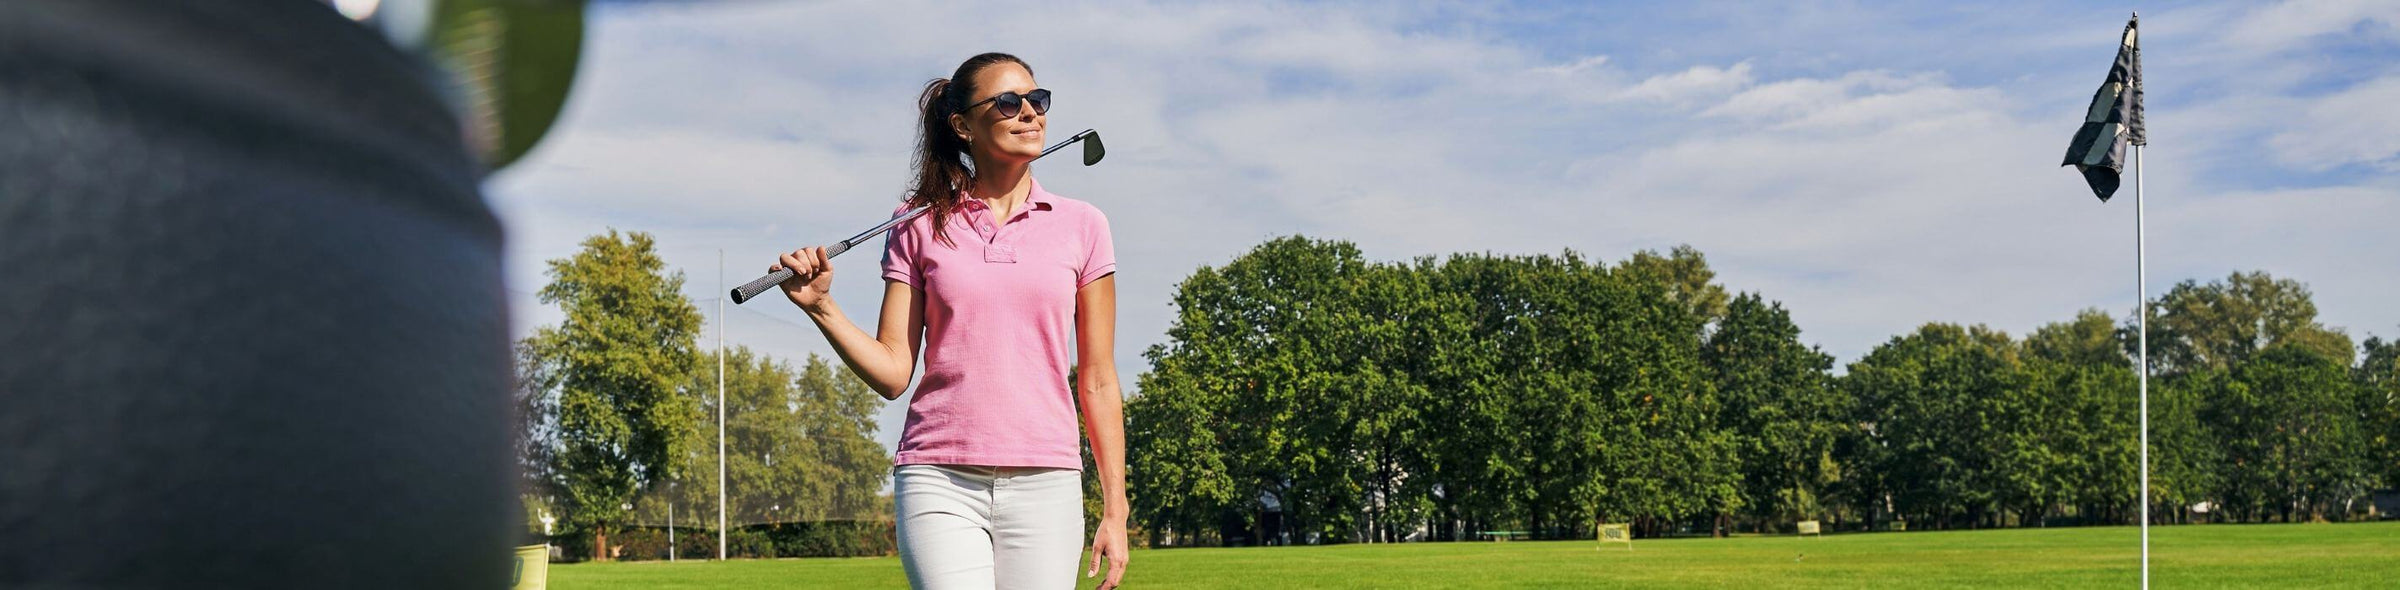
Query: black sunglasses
(1010, 103)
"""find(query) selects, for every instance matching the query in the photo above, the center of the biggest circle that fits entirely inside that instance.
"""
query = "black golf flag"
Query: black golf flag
(2114, 120)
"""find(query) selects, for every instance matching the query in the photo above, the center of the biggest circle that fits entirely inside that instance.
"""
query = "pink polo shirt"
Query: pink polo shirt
(999, 330)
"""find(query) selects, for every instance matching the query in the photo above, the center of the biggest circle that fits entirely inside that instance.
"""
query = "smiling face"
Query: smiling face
(994, 138)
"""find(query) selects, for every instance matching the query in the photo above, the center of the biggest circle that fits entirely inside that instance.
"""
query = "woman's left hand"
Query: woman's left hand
(1109, 542)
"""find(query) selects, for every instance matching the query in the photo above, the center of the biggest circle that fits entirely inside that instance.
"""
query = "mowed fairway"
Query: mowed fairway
(2211, 556)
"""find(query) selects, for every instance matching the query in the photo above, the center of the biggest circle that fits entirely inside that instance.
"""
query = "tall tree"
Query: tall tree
(2083, 385)
(1946, 415)
(2379, 407)
(2220, 323)
(2185, 448)
(2291, 435)
(1777, 403)
(1633, 396)
(800, 448)
(1300, 299)
(1271, 335)
(1188, 421)
(1568, 435)
(1475, 456)
(1408, 329)
(835, 414)
(616, 366)
(799, 444)
(1174, 430)
(536, 428)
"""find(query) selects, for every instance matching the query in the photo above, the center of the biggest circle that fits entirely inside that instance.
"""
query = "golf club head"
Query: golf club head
(505, 65)
(511, 63)
(1092, 150)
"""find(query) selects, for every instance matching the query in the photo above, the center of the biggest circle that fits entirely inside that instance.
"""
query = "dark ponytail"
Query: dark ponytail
(942, 165)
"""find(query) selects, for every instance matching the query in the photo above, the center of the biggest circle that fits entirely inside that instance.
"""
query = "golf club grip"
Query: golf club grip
(759, 285)
(742, 294)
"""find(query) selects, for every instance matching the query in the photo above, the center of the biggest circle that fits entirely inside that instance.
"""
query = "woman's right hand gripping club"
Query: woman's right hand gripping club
(812, 277)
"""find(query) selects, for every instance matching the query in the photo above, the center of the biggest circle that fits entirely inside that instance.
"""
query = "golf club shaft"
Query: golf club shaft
(742, 294)
(761, 284)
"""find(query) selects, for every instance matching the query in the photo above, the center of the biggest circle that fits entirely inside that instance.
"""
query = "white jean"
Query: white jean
(989, 528)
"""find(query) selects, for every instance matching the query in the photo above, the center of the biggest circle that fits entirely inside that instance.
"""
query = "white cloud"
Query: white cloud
(2283, 25)
(1695, 84)
(2357, 125)
(1789, 97)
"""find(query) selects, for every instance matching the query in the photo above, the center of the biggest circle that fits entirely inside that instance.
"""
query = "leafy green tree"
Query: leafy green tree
(1690, 282)
(800, 448)
(536, 427)
(2083, 387)
(1612, 409)
(1954, 431)
(2379, 407)
(2185, 449)
(1409, 331)
(1268, 336)
(615, 368)
(1475, 458)
(1778, 404)
(2221, 323)
(1190, 425)
(1567, 435)
(2210, 340)
(1296, 297)
(2091, 339)
(1648, 367)
(1565, 388)
(1173, 431)
(1482, 392)
(2287, 421)
(800, 445)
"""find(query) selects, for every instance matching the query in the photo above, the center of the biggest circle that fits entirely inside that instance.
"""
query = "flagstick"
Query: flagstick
(2141, 265)
(721, 401)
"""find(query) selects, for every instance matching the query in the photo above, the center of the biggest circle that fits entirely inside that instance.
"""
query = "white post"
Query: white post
(2141, 266)
(670, 521)
(720, 405)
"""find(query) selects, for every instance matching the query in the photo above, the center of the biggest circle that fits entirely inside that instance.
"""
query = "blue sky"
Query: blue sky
(1874, 166)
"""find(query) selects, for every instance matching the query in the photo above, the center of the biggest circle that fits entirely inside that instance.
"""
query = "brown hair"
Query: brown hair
(942, 165)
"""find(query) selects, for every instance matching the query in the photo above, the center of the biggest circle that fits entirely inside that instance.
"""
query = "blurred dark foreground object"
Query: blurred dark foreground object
(253, 332)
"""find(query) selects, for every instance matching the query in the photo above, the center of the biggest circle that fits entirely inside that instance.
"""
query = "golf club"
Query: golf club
(1092, 152)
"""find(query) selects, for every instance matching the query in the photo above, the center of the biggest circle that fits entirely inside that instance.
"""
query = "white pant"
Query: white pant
(997, 528)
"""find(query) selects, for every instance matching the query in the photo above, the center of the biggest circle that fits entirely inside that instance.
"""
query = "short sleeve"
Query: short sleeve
(900, 253)
(1101, 260)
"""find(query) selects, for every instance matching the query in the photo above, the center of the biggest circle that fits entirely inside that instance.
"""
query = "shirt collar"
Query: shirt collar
(1038, 197)
(1040, 200)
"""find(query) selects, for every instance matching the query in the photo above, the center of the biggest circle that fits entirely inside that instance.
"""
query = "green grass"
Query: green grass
(2365, 555)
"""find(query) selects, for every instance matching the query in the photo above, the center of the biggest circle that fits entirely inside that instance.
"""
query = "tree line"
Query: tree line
(1306, 394)
(616, 425)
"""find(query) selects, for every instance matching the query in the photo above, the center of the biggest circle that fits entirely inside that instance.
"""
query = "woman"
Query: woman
(996, 278)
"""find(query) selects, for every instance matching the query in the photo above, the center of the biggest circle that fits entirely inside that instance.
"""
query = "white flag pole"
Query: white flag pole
(721, 404)
(670, 521)
(2141, 266)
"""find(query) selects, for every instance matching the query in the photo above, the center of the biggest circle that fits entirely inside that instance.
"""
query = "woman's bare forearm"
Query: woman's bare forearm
(885, 368)
(1104, 417)
(1103, 403)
